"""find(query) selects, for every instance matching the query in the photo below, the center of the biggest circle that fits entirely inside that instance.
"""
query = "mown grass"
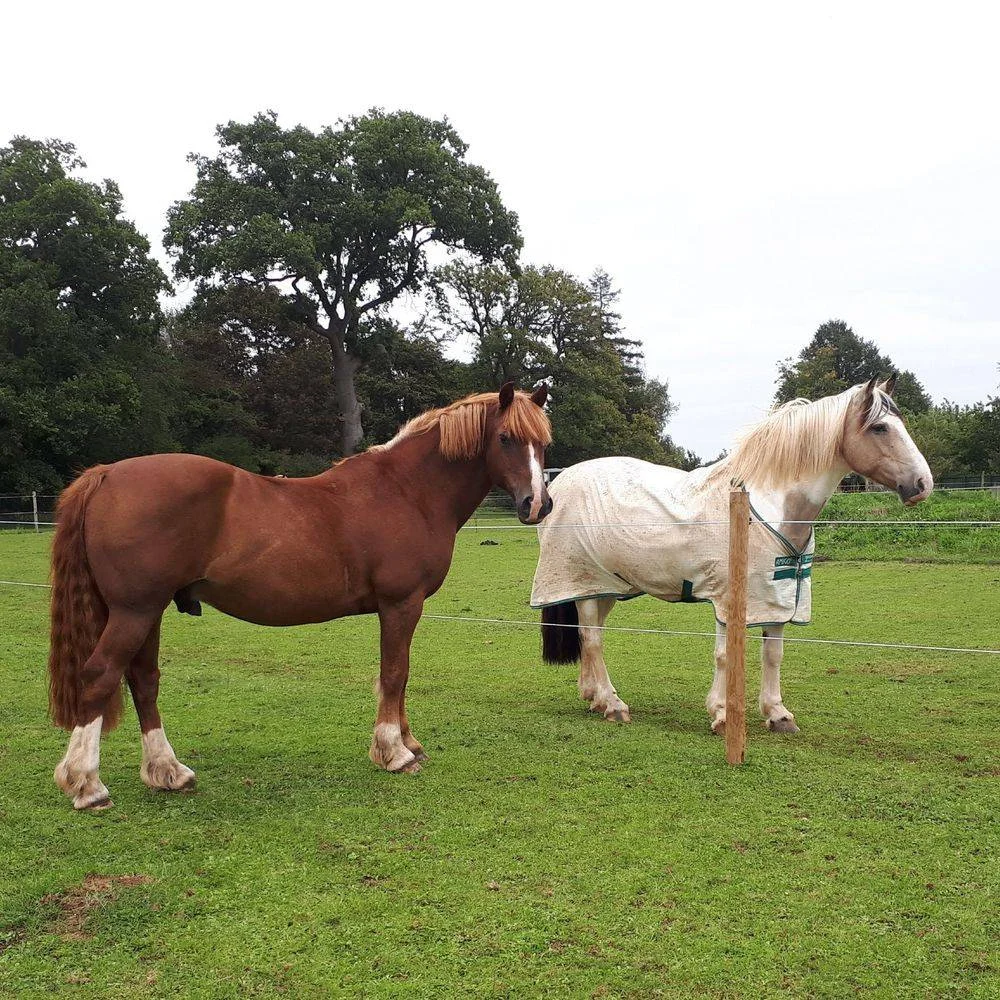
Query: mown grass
(542, 851)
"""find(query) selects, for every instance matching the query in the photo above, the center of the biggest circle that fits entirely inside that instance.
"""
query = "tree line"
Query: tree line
(304, 249)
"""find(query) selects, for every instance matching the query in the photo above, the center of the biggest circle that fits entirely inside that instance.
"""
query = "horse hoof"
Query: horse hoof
(98, 805)
(618, 715)
(420, 754)
(719, 727)
(177, 778)
(782, 726)
(413, 767)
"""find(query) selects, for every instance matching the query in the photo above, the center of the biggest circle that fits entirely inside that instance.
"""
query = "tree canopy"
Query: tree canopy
(837, 358)
(298, 243)
(544, 323)
(83, 376)
(959, 440)
(338, 222)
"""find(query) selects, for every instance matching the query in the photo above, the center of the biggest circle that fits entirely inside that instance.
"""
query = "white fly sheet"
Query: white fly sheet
(621, 528)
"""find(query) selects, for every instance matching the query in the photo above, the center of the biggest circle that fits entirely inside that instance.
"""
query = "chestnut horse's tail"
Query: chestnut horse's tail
(79, 613)
(560, 636)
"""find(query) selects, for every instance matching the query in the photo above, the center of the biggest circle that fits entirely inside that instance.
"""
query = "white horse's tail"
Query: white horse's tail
(560, 633)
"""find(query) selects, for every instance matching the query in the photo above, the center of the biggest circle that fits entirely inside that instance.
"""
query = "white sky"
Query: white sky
(744, 171)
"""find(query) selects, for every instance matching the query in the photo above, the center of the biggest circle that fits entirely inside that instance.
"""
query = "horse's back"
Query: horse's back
(620, 488)
(612, 519)
(159, 490)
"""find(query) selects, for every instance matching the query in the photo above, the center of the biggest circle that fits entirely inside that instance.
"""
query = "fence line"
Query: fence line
(502, 504)
(521, 623)
(498, 526)
(684, 524)
(711, 635)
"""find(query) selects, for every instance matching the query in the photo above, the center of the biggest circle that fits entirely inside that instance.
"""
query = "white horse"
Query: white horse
(621, 528)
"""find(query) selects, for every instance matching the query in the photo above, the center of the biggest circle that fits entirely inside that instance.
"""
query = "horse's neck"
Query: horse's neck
(798, 504)
(452, 489)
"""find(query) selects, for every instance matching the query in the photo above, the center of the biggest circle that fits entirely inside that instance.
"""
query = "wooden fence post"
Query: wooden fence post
(736, 626)
(34, 507)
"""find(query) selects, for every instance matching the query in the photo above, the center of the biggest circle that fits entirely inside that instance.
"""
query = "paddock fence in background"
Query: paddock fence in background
(34, 512)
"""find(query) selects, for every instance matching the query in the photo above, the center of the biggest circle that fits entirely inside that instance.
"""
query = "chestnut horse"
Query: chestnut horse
(374, 534)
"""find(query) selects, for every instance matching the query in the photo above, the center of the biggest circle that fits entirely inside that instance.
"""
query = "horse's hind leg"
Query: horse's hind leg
(777, 717)
(99, 705)
(595, 685)
(160, 767)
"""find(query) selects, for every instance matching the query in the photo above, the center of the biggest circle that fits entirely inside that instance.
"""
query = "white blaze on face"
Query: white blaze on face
(537, 482)
(913, 465)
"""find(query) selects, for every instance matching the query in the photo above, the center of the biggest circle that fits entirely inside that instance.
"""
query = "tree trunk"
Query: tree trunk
(345, 368)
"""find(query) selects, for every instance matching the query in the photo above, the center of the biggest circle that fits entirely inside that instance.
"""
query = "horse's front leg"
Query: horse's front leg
(716, 700)
(392, 740)
(777, 717)
(595, 685)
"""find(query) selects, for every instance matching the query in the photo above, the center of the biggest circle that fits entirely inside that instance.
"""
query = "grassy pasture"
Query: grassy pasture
(542, 851)
(914, 543)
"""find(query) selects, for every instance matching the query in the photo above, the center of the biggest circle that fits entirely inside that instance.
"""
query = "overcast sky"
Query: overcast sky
(744, 171)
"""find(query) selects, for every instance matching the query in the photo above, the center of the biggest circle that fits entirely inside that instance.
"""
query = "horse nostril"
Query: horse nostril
(524, 507)
(920, 485)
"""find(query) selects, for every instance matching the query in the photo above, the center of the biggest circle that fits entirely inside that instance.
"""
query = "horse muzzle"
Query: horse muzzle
(914, 492)
(524, 510)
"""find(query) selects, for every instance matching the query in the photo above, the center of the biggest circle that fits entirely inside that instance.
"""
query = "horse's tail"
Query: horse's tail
(79, 613)
(560, 634)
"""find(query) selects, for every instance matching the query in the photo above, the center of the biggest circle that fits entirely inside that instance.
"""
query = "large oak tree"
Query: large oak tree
(339, 221)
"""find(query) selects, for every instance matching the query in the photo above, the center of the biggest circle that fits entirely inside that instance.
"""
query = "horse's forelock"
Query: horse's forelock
(881, 404)
(526, 421)
(463, 424)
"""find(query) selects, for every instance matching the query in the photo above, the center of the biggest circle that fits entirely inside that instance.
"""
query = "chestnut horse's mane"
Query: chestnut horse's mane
(463, 424)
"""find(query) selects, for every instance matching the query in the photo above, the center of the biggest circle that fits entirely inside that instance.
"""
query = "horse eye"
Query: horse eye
(505, 439)
(879, 428)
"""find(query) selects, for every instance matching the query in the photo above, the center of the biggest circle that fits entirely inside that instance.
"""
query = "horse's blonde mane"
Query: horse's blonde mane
(797, 440)
(463, 424)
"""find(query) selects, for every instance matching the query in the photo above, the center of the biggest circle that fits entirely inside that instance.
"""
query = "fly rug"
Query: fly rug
(621, 528)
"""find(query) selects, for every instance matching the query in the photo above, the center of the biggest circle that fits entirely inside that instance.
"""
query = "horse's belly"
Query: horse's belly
(264, 603)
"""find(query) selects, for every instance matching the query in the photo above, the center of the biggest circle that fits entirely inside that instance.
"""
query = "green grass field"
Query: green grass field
(943, 543)
(542, 851)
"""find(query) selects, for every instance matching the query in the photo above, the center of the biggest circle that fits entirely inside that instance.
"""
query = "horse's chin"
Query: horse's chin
(913, 501)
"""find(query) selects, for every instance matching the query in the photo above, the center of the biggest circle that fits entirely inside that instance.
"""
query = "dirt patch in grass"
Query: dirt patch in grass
(74, 907)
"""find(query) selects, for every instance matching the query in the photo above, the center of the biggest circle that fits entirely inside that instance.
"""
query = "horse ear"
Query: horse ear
(869, 389)
(890, 384)
(506, 395)
(540, 394)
